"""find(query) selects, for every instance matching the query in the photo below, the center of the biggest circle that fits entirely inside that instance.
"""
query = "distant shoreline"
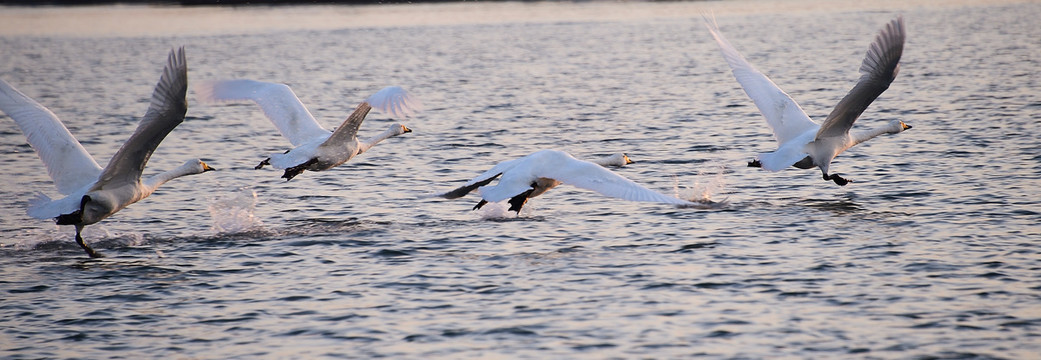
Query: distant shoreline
(35, 3)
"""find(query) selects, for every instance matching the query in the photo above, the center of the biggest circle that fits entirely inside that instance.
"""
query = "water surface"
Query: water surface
(931, 253)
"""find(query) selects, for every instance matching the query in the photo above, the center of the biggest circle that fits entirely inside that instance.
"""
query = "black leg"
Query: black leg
(262, 163)
(79, 240)
(292, 172)
(480, 204)
(840, 181)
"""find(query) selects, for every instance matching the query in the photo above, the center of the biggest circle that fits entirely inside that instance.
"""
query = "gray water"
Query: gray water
(933, 251)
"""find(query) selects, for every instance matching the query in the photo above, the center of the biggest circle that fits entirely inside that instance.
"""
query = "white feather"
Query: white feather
(68, 163)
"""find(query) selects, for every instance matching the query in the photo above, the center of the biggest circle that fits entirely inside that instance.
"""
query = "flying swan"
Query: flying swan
(315, 148)
(802, 142)
(532, 175)
(93, 193)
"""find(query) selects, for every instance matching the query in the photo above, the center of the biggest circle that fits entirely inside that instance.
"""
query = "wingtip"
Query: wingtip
(395, 101)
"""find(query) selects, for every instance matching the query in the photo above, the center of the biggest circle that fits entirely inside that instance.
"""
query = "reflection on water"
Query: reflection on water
(129, 20)
(932, 253)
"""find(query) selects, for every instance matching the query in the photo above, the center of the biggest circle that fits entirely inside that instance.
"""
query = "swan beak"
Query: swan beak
(905, 126)
(405, 129)
(206, 168)
(627, 159)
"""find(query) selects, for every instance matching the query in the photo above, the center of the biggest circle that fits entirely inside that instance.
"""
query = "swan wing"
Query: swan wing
(349, 129)
(483, 179)
(594, 177)
(395, 101)
(782, 113)
(68, 163)
(165, 112)
(880, 66)
(278, 102)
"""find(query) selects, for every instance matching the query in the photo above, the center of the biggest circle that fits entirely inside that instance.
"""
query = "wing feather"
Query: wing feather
(165, 112)
(349, 129)
(395, 101)
(880, 66)
(67, 162)
(278, 102)
(594, 177)
(782, 113)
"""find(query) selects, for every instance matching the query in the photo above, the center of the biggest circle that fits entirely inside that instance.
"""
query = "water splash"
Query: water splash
(233, 212)
(63, 237)
(497, 211)
(708, 182)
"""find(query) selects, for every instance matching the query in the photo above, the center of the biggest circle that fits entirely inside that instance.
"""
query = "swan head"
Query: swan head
(398, 129)
(618, 159)
(196, 166)
(897, 126)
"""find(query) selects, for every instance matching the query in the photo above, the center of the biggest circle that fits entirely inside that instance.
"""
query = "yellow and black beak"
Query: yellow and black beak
(627, 159)
(405, 129)
(905, 126)
(206, 168)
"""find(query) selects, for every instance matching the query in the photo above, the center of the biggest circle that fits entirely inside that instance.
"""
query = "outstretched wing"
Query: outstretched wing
(395, 101)
(880, 66)
(278, 102)
(782, 113)
(68, 163)
(165, 112)
(594, 177)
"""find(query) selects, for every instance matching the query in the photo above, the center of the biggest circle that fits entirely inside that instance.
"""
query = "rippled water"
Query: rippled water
(932, 253)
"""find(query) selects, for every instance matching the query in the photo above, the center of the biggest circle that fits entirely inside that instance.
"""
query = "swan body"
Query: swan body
(532, 175)
(93, 193)
(315, 148)
(802, 142)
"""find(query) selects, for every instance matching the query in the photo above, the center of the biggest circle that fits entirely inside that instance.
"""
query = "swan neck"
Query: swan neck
(372, 141)
(154, 181)
(865, 135)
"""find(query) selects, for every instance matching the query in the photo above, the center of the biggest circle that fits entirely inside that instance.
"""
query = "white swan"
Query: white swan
(315, 148)
(532, 175)
(802, 142)
(93, 193)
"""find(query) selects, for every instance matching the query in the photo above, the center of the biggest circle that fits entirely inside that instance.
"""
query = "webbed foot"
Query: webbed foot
(840, 181)
(262, 163)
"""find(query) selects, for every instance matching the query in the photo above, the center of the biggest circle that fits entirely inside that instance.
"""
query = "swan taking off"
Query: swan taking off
(93, 193)
(315, 148)
(802, 142)
(532, 175)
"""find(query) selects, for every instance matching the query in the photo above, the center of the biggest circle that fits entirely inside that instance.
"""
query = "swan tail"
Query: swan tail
(42, 206)
(779, 160)
(286, 161)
